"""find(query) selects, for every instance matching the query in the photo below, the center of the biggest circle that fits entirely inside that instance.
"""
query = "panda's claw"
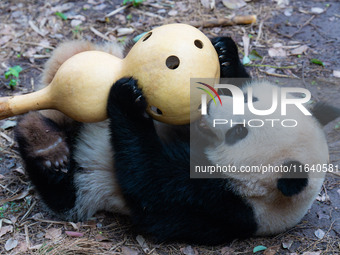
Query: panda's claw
(48, 164)
(138, 99)
(64, 170)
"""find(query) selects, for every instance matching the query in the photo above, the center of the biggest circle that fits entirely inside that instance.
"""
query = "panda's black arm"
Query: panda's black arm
(155, 181)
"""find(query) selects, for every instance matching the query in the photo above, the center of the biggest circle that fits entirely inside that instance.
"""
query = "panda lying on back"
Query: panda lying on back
(133, 165)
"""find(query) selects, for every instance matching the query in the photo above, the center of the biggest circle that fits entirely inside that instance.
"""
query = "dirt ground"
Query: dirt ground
(287, 35)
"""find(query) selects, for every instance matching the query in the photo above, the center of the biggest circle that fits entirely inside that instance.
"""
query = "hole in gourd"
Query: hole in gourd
(147, 36)
(156, 110)
(172, 62)
(198, 44)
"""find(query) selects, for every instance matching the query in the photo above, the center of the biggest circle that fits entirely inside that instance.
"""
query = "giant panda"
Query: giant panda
(131, 164)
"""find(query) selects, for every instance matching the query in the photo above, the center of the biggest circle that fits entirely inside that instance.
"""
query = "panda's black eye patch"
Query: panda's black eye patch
(235, 134)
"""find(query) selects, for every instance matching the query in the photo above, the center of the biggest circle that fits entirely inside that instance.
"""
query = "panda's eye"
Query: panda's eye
(236, 134)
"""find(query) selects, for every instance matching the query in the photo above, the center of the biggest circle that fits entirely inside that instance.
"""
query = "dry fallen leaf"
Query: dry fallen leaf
(74, 233)
(317, 10)
(100, 238)
(282, 3)
(11, 244)
(299, 50)
(63, 7)
(234, 4)
(141, 241)
(271, 250)
(53, 233)
(75, 22)
(287, 245)
(288, 12)
(173, 13)
(188, 250)
(209, 4)
(319, 233)
(4, 230)
(129, 251)
(124, 31)
(100, 7)
(336, 73)
(37, 216)
(20, 170)
(227, 251)
(277, 52)
(74, 225)
(323, 198)
(5, 39)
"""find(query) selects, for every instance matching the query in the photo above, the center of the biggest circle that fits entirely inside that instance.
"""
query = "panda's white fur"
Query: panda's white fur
(96, 184)
(274, 146)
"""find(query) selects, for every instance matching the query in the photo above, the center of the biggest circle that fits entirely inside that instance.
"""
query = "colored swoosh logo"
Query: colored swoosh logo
(209, 93)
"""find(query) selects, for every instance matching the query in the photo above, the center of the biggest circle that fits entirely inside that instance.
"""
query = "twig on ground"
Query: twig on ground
(38, 44)
(28, 243)
(277, 75)
(96, 32)
(117, 10)
(10, 140)
(149, 14)
(4, 187)
(271, 66)
(259, 34)
(237, 20)
(36, 29)
(298, 31)
(28, 211)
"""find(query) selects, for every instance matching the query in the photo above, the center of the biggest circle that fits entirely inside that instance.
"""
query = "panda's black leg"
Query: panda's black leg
(231, 66)
(44, 149)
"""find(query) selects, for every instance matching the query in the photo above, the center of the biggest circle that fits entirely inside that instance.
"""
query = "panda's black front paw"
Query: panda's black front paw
(126, 98)
(227, 52)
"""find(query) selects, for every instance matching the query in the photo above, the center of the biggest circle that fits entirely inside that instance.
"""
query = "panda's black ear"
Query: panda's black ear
(325, 113)
(293, 182)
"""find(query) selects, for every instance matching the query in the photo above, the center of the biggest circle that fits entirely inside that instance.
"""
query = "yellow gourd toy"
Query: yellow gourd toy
(163, 61)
